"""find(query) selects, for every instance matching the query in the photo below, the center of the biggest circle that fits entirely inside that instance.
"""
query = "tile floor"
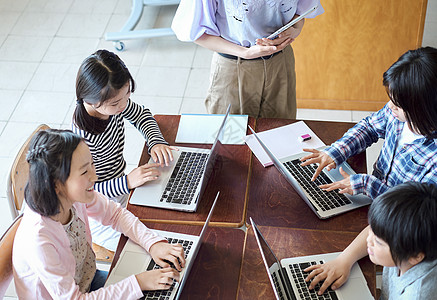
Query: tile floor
(42, 43)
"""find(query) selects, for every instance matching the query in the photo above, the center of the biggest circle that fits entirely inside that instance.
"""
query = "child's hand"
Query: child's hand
(163, 253)
(142, 174)
(344, 185)
(162, 154)
(159, 279)
(334, 272)
(318, 157)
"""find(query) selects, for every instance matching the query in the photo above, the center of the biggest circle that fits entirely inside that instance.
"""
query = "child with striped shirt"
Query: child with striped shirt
(103, 88)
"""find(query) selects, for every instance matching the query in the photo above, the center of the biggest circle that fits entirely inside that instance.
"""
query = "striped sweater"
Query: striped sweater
(107, 148)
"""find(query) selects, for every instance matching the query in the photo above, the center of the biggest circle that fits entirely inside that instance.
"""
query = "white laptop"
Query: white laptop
(324, 204)
(182, 183)
(287, 276)
(134, 260)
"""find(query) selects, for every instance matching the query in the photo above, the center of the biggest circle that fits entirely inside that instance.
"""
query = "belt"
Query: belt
(236, 57)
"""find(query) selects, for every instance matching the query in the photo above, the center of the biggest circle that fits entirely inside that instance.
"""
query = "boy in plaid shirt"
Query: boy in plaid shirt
(408, 123)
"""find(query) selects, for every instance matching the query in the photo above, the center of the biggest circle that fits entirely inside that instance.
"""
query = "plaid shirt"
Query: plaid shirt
(416, 161)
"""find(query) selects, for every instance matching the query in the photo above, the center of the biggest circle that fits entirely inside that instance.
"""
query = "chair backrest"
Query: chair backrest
(18, 176)
(6, 243)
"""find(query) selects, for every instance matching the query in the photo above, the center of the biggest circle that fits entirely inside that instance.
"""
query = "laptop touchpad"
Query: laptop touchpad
(132, 263)
(354, 288)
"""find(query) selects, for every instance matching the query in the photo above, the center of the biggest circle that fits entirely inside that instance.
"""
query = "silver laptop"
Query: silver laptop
(134, 260)
(324, 204)
(287, 276)
(182, 183)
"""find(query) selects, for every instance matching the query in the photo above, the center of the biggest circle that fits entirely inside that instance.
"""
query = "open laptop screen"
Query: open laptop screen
(215, 150)
(273, 266)
(269, 256)
(196, 250)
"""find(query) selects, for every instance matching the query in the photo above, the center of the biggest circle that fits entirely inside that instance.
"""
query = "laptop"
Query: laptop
(324, 204)
(182, 183)
(288, 279)
(134, 260)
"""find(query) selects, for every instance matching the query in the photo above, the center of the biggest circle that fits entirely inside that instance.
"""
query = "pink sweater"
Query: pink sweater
(44, 265)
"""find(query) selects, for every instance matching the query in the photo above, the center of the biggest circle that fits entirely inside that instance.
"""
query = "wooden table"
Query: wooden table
(247, 189)
(230, 177)
(287, 242)
(273, 202)
(215, 272)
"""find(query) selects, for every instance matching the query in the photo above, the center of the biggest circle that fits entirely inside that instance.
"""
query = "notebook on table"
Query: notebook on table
(134, 260)
(323, 203)
(288, 278)
(182, 183)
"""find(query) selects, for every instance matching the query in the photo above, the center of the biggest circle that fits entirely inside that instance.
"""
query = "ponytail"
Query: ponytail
(88, 123)
(41, 187)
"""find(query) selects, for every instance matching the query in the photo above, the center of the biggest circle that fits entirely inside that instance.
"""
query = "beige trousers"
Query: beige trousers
(262, 88)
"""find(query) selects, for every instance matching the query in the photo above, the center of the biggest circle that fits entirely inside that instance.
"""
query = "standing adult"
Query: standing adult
(254, 74)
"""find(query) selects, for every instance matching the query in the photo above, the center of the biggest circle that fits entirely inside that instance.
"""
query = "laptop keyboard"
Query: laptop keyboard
(303, 174)
(278, 286)
(183, 182)
(302, 287)
(165, 294)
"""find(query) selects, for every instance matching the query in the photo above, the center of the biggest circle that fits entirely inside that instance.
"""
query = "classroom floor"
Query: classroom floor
(42, 43)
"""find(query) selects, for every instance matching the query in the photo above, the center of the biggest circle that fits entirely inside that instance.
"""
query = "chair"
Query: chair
(17, 182)
(18, 176)
(6, 243)
(103, 254)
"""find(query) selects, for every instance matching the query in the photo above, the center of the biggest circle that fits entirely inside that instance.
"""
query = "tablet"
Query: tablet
(291, 23)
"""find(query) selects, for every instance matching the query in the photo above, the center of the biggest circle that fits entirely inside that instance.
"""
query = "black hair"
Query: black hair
(405, 217)
(49, 158)
(411, 83)
(100, 77)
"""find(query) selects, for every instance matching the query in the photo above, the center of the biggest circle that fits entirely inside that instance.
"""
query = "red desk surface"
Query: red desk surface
(215, 272)
(273, 202)
(287, 242)
(230, 177)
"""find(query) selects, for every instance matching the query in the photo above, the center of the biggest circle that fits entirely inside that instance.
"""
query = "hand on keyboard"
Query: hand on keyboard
(343, 185)
(318, 157)
(165, 254)
(157, 279)
(162, 154)
(334, 273)
(142, 174)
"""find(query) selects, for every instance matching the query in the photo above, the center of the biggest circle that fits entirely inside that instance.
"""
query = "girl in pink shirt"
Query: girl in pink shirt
(52, 253)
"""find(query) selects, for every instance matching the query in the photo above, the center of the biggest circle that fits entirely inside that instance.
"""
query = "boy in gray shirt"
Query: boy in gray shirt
(401, 237)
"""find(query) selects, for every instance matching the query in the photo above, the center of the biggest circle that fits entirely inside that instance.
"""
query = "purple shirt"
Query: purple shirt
(241, 24)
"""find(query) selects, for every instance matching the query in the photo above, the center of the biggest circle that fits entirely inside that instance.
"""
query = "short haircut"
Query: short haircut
(405, 217)
(100, 77)
(411, 83)
(49, 158)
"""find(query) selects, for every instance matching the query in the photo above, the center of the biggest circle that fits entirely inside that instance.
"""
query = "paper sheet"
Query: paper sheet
(283, 141)
(202, 129)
